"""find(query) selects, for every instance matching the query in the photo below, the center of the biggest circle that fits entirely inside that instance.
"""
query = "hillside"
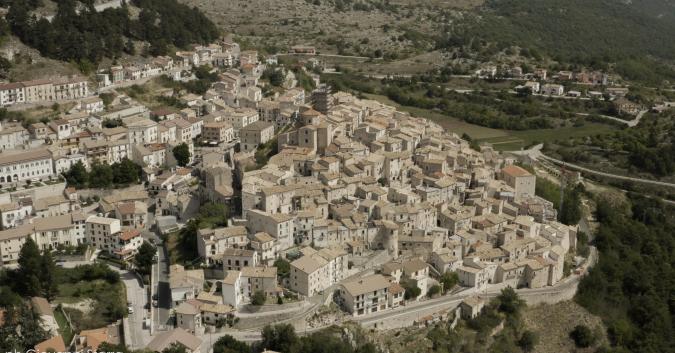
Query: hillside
(351, 27)
(575, 30)
(79, 33)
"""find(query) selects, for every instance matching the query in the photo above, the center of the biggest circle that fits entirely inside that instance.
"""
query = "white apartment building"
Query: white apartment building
(231, 289)
(142, 131)
(12, 93)
(240, 118)
(365, 295)
(26, 165)
(39, 90)
(11, 241)
(101, 232)
(12, 214)
(70, 88)
(317, 270)
(213, 242)
(266, 247)
(13, 136)
(256, 134)
(217, 132)
(278, 225)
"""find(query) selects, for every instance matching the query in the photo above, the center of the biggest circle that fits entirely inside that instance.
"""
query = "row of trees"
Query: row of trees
(102, 175)
(87, 36)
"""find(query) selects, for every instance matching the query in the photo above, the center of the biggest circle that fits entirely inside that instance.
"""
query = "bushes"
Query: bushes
(434, 290)
(449, 281)
(583, 336)
(412, 291)
(258, 298)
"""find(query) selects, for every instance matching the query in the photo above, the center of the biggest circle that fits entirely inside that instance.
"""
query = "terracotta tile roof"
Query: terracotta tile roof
(129, 234)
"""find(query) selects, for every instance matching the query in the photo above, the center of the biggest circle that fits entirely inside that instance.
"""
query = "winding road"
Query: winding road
(536, 154)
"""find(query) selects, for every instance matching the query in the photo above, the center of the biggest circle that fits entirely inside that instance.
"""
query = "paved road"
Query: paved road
(608, 175)
(160, 285)
(405, 315)
(128, 83)
(331, 56)
(136, 336)
(535, 153)
(630, 123)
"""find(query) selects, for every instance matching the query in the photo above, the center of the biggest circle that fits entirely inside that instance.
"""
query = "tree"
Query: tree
(583, 336)
(129, 47)
(228, 344)
(280, 338)
(187, 238)
(258, 298)
(213, 215)
(528, 340)
(77, 176)
(47, 276)
(107, 98)
(283, 267)
(509, 302)
(22, 328)
(101, 176)
(126, 172)
(275, 76)
(449, 280)
(144, 259)
(182, 154)
(435, 289)
(30, 263)
(571, 209)
(412, 291)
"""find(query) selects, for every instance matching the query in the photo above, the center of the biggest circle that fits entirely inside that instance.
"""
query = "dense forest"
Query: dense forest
(632, 285)
(607, 30)
(79, 33)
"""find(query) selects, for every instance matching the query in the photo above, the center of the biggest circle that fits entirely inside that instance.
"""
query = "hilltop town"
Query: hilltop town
(234, 208)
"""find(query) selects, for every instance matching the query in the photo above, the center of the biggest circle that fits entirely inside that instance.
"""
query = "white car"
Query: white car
(130, 309)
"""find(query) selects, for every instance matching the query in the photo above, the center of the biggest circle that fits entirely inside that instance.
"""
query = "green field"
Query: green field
(502, 140)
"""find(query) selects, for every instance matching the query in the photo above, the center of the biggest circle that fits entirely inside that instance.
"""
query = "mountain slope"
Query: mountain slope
(581, 29)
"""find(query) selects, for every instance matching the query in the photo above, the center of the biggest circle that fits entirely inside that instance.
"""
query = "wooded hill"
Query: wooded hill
(79, 33)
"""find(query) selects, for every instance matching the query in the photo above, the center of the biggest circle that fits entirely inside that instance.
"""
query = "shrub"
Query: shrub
(583, 336)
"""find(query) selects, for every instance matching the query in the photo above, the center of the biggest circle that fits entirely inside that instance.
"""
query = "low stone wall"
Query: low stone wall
(36, 192)
(271, 308)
